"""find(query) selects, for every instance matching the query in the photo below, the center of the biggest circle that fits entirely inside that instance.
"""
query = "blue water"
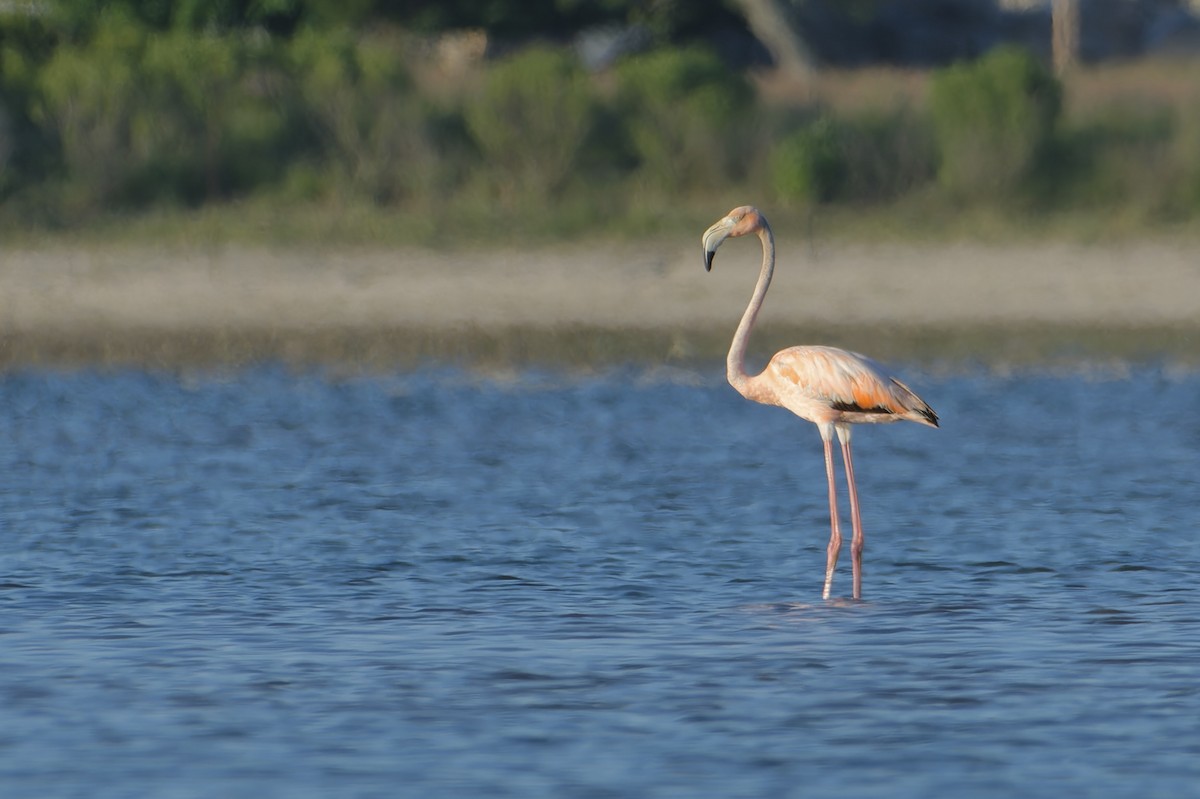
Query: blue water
(430, 584)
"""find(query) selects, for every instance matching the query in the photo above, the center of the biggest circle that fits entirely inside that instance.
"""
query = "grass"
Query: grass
(472, 224)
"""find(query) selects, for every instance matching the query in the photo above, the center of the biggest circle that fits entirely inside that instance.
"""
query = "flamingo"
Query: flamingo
(830, 387)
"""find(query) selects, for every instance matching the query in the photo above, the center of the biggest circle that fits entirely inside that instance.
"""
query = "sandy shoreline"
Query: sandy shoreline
(71, 305)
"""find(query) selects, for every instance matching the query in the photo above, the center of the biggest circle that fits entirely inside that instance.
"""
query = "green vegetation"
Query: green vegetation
(810, 165)
(284, 119)
(994, 121)
(587, 347)
(684, 111)
(531, 122)
(366, 131)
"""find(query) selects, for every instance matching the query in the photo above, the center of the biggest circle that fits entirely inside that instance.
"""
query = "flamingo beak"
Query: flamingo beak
(712, 240)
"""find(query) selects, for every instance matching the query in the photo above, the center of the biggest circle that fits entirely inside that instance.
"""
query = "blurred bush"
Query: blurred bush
(25, 46)
(89, 100)
(685, 111)
(1186, 155)
(531, 121)
(993, 118)
(889, 153)
(209, 126)
(142, 117)
(864, 158)
(810, 165)
(373, 129)
(106, 110)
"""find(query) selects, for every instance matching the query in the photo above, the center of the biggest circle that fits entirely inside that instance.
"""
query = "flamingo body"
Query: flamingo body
(827, 385)
(830, 387)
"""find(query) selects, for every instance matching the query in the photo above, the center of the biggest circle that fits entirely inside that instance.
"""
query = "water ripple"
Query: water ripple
(434, 585)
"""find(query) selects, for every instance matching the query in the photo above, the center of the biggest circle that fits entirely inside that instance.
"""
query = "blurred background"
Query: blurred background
(269, 118)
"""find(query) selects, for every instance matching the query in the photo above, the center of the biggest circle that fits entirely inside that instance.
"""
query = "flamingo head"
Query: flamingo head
(738, 222)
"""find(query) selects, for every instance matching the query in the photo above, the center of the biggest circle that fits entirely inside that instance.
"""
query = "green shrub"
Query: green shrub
(142, 117)
(1186, 158)
(684, 110)
(89, 97)
(359, 98)
(532, 120)
(869, 157)
(993, 120)
(195, 121)
(809, 166)
(26, 43)
(1111, 157)
(888, 154)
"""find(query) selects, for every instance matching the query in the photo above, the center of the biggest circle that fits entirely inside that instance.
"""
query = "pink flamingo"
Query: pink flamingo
(829, 387)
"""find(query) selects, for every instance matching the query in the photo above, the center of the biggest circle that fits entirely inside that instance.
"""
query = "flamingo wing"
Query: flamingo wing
(831, 384)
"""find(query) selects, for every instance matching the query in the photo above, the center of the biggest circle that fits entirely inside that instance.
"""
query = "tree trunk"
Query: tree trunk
(1065, 33)
(769, 23)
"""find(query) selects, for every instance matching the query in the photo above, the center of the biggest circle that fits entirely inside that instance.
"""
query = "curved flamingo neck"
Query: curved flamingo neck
(735, 363)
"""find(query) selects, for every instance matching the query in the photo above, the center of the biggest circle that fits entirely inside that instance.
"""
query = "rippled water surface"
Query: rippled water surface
(431, 584)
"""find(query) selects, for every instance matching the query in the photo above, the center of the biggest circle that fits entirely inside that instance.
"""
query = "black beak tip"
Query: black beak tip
(708, 259)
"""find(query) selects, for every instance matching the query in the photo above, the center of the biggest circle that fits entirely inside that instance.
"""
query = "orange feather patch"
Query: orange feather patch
(869, 397)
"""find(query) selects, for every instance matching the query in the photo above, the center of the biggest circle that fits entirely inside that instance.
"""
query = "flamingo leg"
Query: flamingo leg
(835, 536)
(856, 541)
